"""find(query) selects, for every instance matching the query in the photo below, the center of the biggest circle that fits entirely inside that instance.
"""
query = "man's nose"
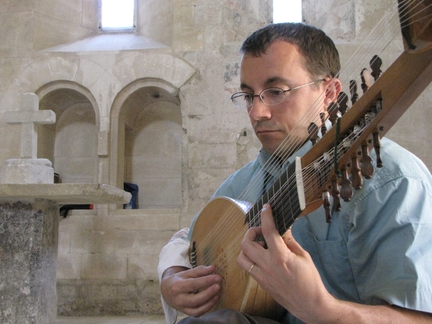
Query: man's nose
(258, 110)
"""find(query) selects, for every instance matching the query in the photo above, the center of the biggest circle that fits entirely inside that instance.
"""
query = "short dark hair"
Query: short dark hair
(319, 51)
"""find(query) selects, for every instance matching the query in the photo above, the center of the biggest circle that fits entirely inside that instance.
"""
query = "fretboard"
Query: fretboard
(283, 199)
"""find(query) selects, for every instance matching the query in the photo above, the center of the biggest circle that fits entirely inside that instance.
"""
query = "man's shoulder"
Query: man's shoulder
(238, 181)
(245, 172)
(400, 168)
(398, 160)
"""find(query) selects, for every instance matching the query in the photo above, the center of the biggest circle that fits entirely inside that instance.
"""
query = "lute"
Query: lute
(333, 167)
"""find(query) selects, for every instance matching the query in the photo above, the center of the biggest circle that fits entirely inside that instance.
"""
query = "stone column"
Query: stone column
(29, 223)
(28, 258)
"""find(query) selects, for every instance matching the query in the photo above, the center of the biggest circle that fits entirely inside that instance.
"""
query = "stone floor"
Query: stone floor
(151, 319)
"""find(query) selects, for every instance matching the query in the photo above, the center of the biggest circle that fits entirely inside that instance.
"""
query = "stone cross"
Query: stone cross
(29, 117)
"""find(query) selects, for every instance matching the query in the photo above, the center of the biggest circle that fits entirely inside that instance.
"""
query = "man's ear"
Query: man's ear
(332, 91)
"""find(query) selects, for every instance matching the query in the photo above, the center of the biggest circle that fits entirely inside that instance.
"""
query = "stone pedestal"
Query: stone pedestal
(27, 171)
(29, 219)
(28, 257)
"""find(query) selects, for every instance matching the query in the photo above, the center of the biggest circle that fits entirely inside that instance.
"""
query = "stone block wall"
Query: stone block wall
(106, 265)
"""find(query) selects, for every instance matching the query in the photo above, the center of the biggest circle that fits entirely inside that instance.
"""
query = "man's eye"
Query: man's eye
(248, 97)
(274, 92)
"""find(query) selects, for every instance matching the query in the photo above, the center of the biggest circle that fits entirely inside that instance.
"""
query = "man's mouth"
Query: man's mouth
(259, 130)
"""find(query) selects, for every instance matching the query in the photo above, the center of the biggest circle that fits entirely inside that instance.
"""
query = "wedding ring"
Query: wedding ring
(250, 269)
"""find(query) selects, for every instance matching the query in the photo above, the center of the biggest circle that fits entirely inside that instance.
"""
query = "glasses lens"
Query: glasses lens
(242, 99)
(272, 96)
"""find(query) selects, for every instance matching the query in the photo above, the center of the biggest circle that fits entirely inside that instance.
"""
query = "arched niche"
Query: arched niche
(147, 134)
(71, 143)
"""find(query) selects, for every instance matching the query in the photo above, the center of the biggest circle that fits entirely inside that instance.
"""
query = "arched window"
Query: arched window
(117, 15)
(71, 143)
(146, 124)
(287, 11)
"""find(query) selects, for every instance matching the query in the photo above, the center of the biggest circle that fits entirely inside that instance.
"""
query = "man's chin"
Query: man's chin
(281, 147)
(270, 139)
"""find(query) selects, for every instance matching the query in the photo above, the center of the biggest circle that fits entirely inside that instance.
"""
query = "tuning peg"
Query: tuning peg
(353, 91)
(323, 125)
(333, 109)
(326, 204)
(313, 133)
(336, 195)
(357, 180)
(377, 147)
(346, 191)
(366, 80)
(375, 64)
(367, 169)
(342, 102)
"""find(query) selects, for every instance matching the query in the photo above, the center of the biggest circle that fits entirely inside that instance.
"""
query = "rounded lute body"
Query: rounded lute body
(215, 240)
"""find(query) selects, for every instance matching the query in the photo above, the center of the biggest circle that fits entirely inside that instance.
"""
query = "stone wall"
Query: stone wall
(183, 62)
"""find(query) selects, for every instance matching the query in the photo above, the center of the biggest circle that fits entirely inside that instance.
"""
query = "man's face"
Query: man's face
(282, 67)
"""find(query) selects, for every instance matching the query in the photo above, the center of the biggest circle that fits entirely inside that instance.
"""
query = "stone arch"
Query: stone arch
(70, 143)
(100, 77)
(147, 142)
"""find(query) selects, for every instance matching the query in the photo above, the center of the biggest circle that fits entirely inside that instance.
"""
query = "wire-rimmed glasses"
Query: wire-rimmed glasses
(270, 96)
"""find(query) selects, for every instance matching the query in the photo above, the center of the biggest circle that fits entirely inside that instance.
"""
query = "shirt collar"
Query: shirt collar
(263, 157)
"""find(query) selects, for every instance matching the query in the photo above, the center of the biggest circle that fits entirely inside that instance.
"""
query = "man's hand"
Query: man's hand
(284, 269)
(191, 291)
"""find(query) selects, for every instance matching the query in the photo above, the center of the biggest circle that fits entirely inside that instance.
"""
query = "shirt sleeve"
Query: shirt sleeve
(175, 253)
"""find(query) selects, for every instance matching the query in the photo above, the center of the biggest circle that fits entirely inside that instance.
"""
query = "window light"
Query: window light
(287, 11)
(117, 14)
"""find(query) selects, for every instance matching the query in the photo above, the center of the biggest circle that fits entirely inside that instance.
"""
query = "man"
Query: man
(371, 264)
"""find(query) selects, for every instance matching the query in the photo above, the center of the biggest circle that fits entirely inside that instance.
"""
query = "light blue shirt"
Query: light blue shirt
(378, 248)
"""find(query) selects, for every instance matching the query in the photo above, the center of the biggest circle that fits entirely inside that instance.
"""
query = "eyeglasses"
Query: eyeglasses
(269, 97)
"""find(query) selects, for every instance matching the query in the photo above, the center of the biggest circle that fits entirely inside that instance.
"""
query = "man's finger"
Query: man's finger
(292, 244)
(199, 271)
(269, 230)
